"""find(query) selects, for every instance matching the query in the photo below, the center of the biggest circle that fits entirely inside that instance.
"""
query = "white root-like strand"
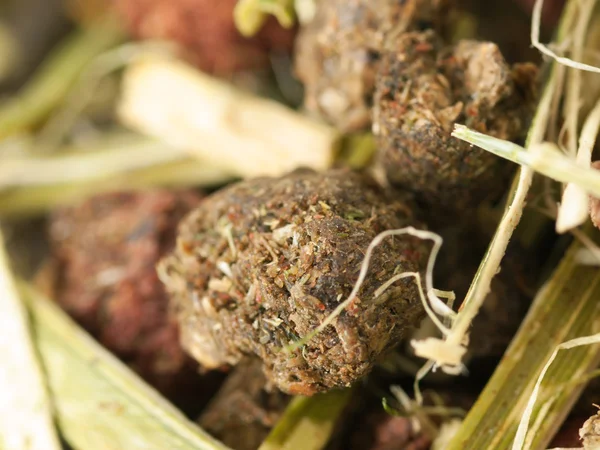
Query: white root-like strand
(435, 305)
(428, 309)
(521, 436)
(536, 20)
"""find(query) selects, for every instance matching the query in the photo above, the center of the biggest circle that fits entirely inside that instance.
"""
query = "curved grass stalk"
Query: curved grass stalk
(85, 166)
(54, 79)
(453, 344)
(35, 200)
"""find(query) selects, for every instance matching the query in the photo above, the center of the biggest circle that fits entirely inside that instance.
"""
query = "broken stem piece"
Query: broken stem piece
(25, 411)
(218, 123)
(544, 158)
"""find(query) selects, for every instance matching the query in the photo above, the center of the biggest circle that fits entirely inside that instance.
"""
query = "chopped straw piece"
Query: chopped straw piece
(248, 135)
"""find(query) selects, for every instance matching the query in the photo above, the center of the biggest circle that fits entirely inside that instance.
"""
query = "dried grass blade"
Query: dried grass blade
(25, 411)
(100, 404)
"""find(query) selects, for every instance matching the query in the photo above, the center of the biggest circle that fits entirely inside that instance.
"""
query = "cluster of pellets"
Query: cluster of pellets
(386, 63)
(255, 267)
(338, 52)
(260, 264)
